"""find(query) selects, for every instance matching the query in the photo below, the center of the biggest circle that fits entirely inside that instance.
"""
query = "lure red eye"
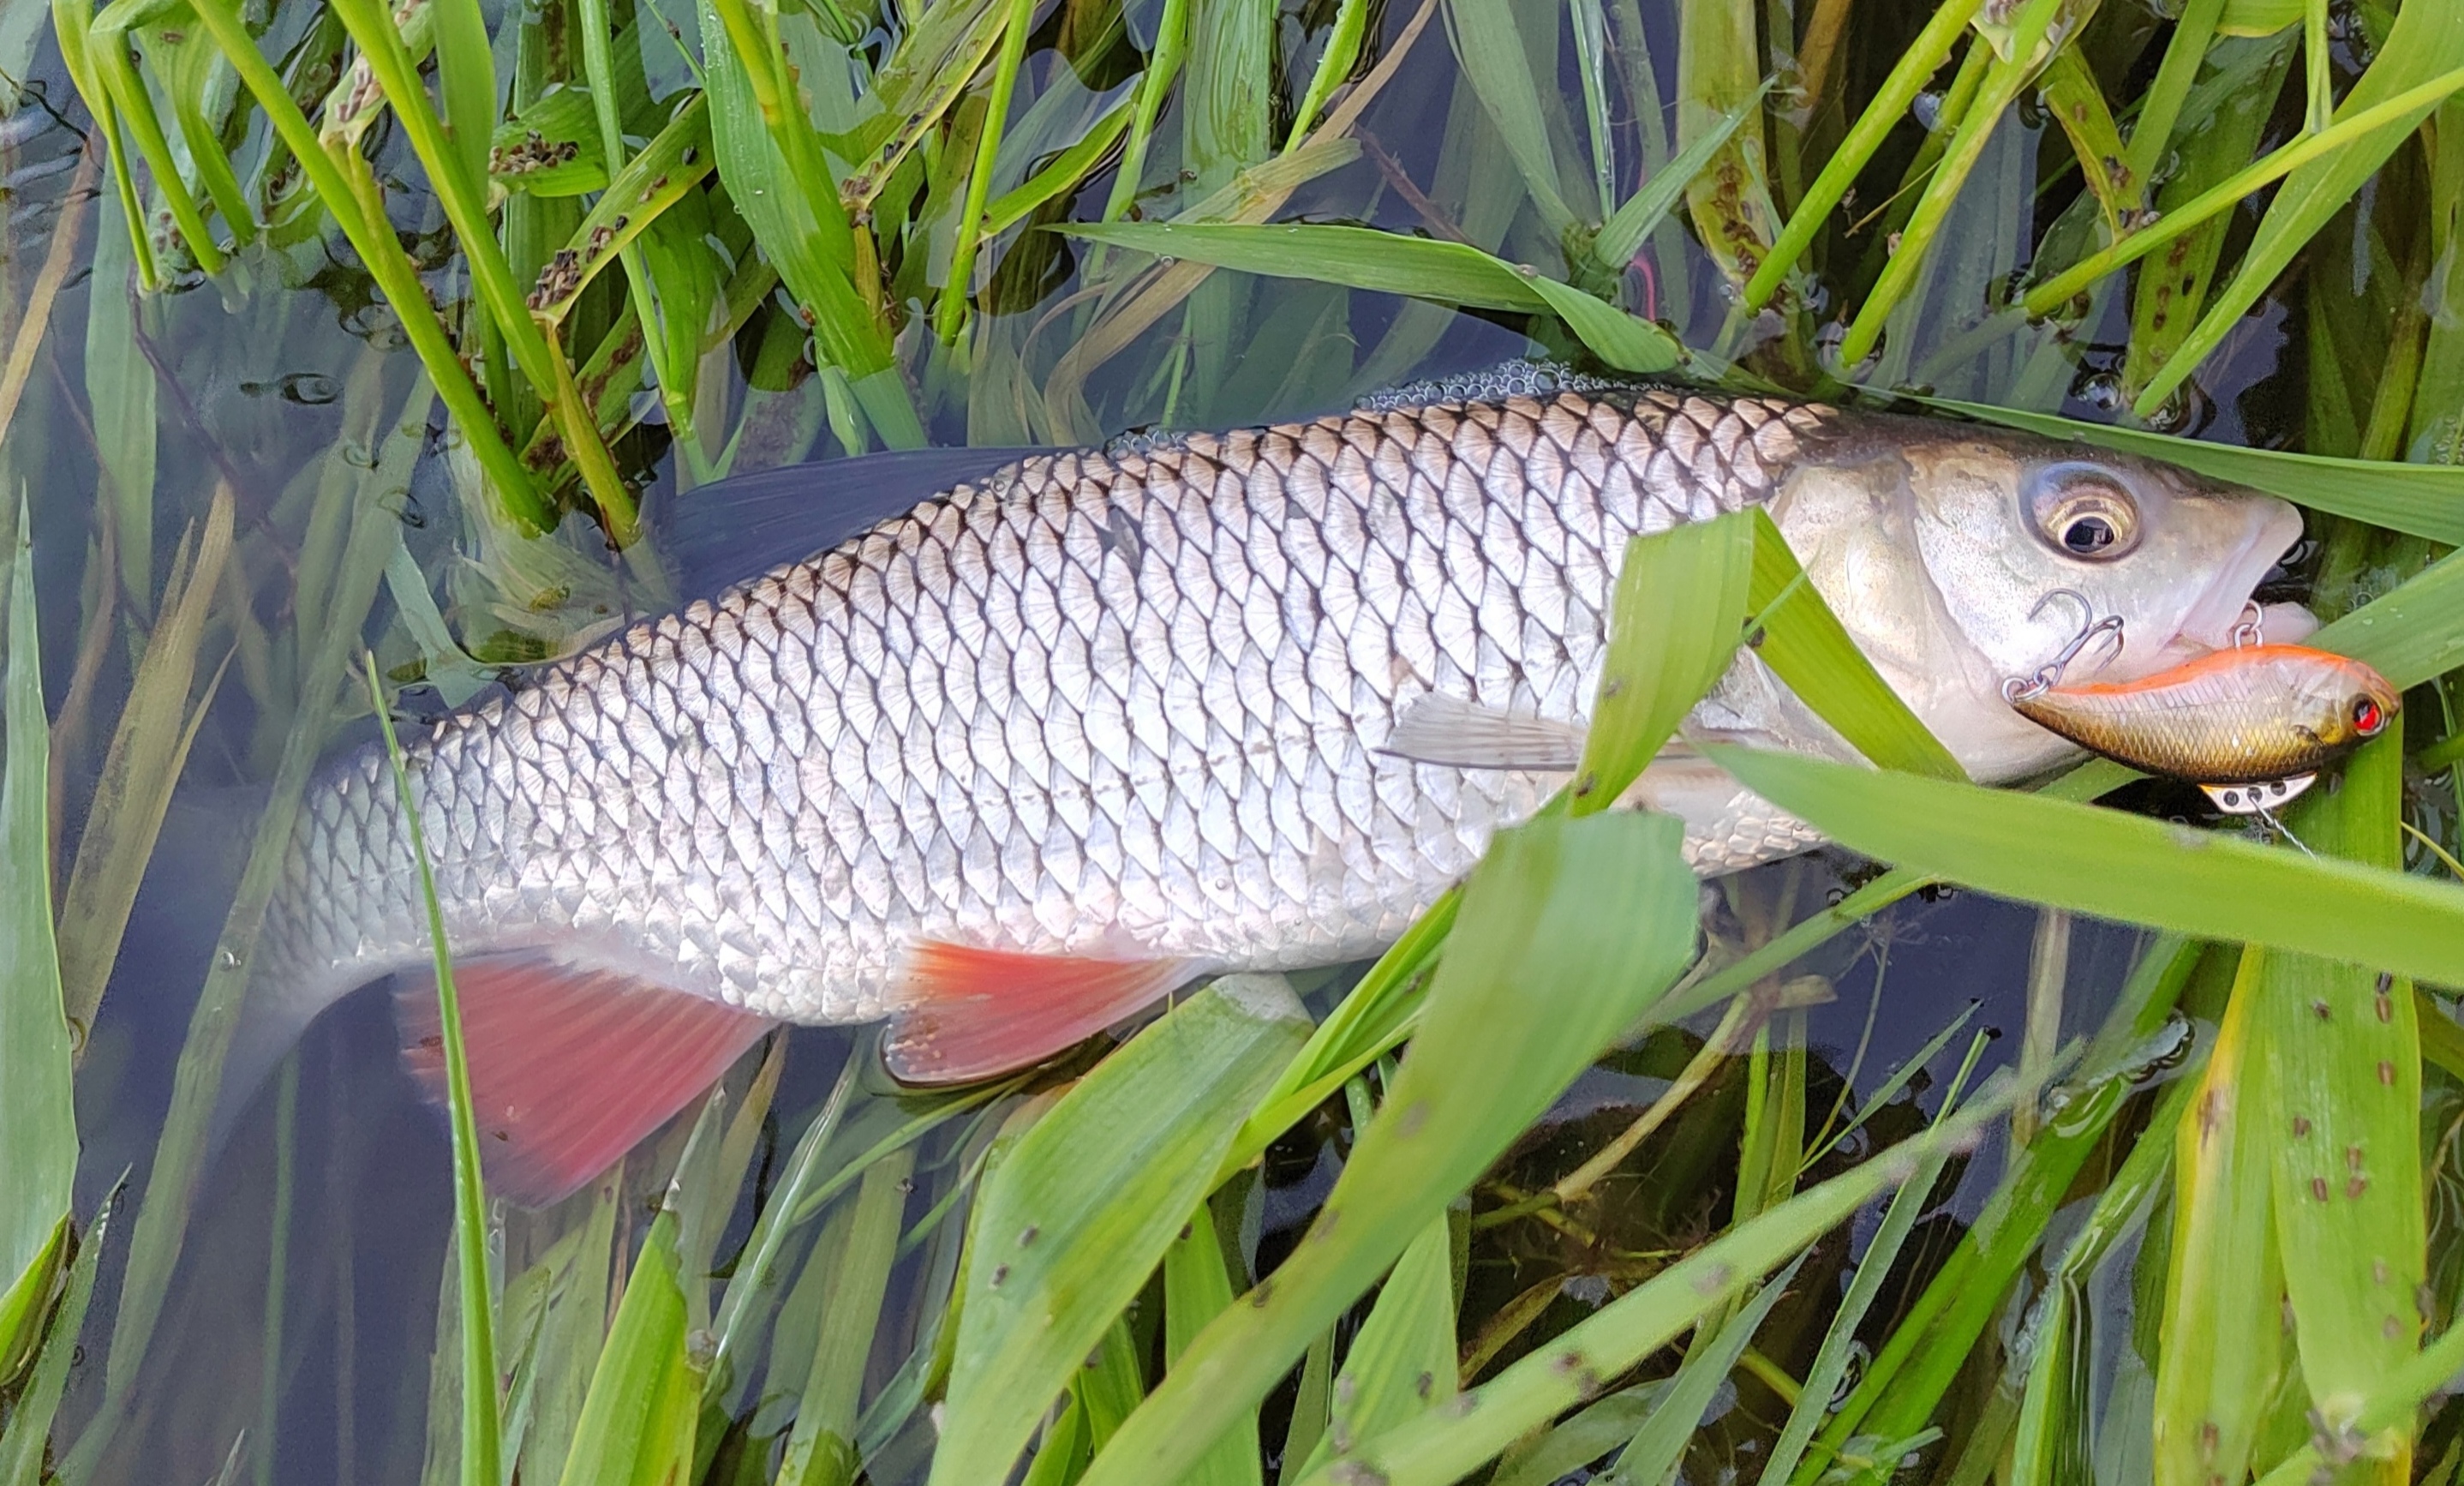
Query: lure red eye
(2367, 717)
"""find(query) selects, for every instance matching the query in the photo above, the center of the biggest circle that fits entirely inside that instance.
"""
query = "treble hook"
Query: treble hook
(2020, 688)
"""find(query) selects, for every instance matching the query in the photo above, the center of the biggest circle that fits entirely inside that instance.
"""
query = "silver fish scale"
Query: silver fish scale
(1118, 705)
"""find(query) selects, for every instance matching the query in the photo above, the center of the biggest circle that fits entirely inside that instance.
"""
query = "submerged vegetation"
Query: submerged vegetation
(401, 324)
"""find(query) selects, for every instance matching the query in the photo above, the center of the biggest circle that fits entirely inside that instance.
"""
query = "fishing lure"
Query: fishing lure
(2252, 725)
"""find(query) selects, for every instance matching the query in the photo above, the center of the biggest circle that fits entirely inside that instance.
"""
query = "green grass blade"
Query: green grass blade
(1916, 66)
(2358, 131)
(1676, 620)
(2425, 499)
(671, 166)
(2345, 1136)
(465, 77)
(25, 1440)
(1403, 1361)
(1805, 645)
(637, 1424)
(2221, 1345)
(951, 313)
(2006, 75)
(1334, 64)
(1196, 1288)
(1659, 1447)
(120, 390)
(1719, 72)
(1071, 1224)
(2159, 107)
(2424, 43)
(1439, 1446)
(1359, 257)
(821, 1447)
(1569, 931)
(773, 169)
(1831, 1359)
(1489, 47)
(2391, 1402)
(481, 1442)
(1622, 237)
(1068, 170)
(148, 747)
(2077, 102)
(2413, 633)
(2123, 867)
(39, 1135)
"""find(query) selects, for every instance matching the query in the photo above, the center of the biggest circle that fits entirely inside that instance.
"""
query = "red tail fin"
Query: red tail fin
(569, 1068)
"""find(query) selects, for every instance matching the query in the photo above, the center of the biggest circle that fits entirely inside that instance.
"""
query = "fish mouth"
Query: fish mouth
(2210, 622)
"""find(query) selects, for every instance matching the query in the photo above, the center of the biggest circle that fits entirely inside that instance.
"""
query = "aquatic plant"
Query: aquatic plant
(582, 251)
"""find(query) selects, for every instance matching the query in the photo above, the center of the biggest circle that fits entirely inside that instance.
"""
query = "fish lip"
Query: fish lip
(2210, 622)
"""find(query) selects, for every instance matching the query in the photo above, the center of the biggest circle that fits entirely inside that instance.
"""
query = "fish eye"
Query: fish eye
(2370, 719)
(2085, 514)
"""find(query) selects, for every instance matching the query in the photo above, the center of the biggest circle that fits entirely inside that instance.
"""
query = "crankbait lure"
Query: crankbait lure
(2252, 727)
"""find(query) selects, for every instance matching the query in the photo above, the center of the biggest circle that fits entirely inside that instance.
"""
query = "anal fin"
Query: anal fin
(975, 1013)
(570, 1068)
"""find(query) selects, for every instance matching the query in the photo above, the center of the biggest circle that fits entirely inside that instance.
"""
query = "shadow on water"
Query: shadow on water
(250, 381)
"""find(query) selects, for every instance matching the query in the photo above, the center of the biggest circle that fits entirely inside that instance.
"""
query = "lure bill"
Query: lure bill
(2253, 726)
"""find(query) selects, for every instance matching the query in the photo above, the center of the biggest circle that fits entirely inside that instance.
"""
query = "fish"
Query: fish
(1009, 763)
(2227, 720)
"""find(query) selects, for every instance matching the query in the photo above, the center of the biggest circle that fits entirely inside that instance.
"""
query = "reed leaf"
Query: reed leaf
(2424, 44)
(1079, 1214)
(2123, 867)
(148, 749)
(39, 1135)
(1569, 931)
(2221, 1348)
(637, 1426)
(2341, 1072)
(1435, 1447)
(2425, 499)
(1363, 258)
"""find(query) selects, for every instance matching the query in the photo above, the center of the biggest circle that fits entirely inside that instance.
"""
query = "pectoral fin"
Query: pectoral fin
(1459, 734)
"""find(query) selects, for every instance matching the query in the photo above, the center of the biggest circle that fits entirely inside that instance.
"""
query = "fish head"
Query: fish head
(1943, 547)
(2344, 702)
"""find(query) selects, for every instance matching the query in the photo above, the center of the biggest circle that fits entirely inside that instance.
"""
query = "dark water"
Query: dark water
(252, 379)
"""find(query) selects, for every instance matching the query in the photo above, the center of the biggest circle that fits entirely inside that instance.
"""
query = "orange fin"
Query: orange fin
(974, 1014)
(570, 1068)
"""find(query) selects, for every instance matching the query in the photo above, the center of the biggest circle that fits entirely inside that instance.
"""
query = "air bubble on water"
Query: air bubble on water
(228, 957)
(1926, 107)
(308, 388)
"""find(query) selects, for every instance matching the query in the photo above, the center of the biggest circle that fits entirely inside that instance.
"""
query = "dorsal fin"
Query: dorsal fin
(732, 529)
